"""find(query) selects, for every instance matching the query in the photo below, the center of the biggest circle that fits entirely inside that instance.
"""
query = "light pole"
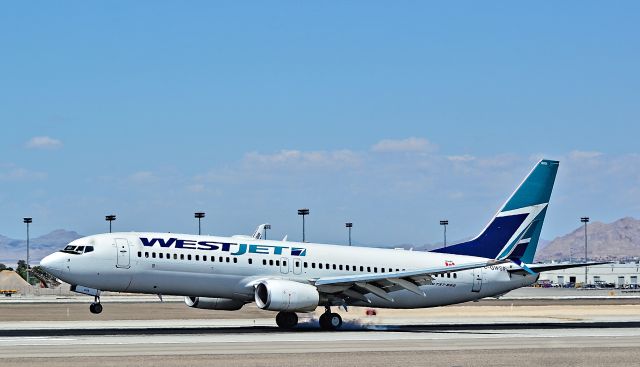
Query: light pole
(445, 223)
(110, 218)
(585, 220)
(27, 220)
(349, 225)
(266, 226)
(199, 215)
(303, 212)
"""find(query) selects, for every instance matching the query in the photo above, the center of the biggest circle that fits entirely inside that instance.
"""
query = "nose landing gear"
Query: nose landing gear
(96, 307)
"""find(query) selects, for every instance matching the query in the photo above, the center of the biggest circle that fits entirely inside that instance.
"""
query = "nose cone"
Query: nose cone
(53, 263)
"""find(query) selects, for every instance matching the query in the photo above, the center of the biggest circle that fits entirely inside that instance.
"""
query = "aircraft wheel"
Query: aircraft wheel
(95, 308)
(330, 321)
(286, 320)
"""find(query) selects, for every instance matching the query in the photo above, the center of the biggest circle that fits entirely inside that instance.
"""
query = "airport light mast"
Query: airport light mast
(303, 212)
(349, 225)
(110, 218)
(27, 220)
(445, 223)
(585, 220)
(199, 216)
(266, 226)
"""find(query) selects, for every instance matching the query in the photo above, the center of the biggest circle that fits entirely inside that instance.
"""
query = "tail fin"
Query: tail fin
(514, 231)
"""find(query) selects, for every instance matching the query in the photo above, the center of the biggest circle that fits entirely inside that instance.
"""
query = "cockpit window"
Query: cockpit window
(77, 250)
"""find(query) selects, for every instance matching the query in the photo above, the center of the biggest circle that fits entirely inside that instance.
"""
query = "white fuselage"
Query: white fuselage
(227, 267)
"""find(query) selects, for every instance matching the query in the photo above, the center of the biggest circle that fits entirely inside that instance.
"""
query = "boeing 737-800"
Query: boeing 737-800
(225, 273)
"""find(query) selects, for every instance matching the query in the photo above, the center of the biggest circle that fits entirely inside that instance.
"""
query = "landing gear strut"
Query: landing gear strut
(96, 307)
(330, 320)
(286, 320)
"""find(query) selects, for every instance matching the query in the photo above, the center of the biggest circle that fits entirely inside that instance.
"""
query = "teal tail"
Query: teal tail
(514, 232)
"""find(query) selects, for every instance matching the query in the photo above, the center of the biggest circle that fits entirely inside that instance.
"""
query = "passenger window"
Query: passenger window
(277, 262)
(284, 262)
(390, 270)
(361, 268)
(319, 265)
(181, 256)
(313, 265)
(160, 255)
(305, 264)
(368, 269)
(146, 254)
(139, 253)
(175, 256)
(198, 257)
(375, 269)
(204, 257)
(327, 267)
(271, 262)
(250, 261)
(340, 267)
(213, 258)
(297, 264)
(448, 275)
(153, 255)
(347, 267)
(189, 257)
(88, 249)
(455, 275)
(264, 261)
(227, 259)
(220, 259)
(382, 270)
(235, 260)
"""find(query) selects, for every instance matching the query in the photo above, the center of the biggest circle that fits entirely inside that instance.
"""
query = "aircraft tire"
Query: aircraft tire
(286, 320)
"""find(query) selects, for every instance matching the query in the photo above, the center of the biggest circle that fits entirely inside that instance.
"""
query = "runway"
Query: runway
(533, 345)
(487, 333)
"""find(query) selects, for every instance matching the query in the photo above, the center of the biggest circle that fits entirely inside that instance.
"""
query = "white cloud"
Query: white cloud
(43, 142)
(142, 177)
(404, 145)
(196, 188)
(12, 173)
(297, 158)
(461, 158)
(584, 155)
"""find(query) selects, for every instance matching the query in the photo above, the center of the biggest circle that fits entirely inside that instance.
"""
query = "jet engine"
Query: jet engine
(286, 295)
(225, 304)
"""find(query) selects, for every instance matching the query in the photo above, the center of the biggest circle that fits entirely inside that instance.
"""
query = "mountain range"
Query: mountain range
(619, 240)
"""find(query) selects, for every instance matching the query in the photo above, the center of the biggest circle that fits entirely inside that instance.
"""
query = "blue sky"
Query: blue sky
(392, 117)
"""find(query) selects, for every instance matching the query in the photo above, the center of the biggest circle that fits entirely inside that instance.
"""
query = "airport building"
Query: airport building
(623, 275)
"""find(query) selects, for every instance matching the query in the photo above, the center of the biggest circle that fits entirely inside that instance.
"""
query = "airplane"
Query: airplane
(226, 273)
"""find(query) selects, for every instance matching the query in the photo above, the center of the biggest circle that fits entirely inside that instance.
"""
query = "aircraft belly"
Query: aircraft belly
(185, 284)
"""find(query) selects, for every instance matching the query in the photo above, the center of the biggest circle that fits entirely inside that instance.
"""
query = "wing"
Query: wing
(380, 284)
(539, 268)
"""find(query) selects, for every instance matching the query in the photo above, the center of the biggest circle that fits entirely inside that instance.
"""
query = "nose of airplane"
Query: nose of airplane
(52, 263)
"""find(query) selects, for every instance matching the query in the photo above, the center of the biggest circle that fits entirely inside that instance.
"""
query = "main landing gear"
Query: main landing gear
(330, 320)
(286, 320)
(96, 307)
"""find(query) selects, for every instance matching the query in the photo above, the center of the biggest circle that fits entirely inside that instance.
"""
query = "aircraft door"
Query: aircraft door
(297, 266)
(122, 250)
(284, 265)
(477, 280)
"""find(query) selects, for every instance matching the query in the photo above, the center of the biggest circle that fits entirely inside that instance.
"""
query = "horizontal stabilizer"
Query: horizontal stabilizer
(539, 268)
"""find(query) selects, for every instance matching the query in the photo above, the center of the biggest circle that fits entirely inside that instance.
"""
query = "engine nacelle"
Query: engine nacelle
(286, 295)
(206, 303)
